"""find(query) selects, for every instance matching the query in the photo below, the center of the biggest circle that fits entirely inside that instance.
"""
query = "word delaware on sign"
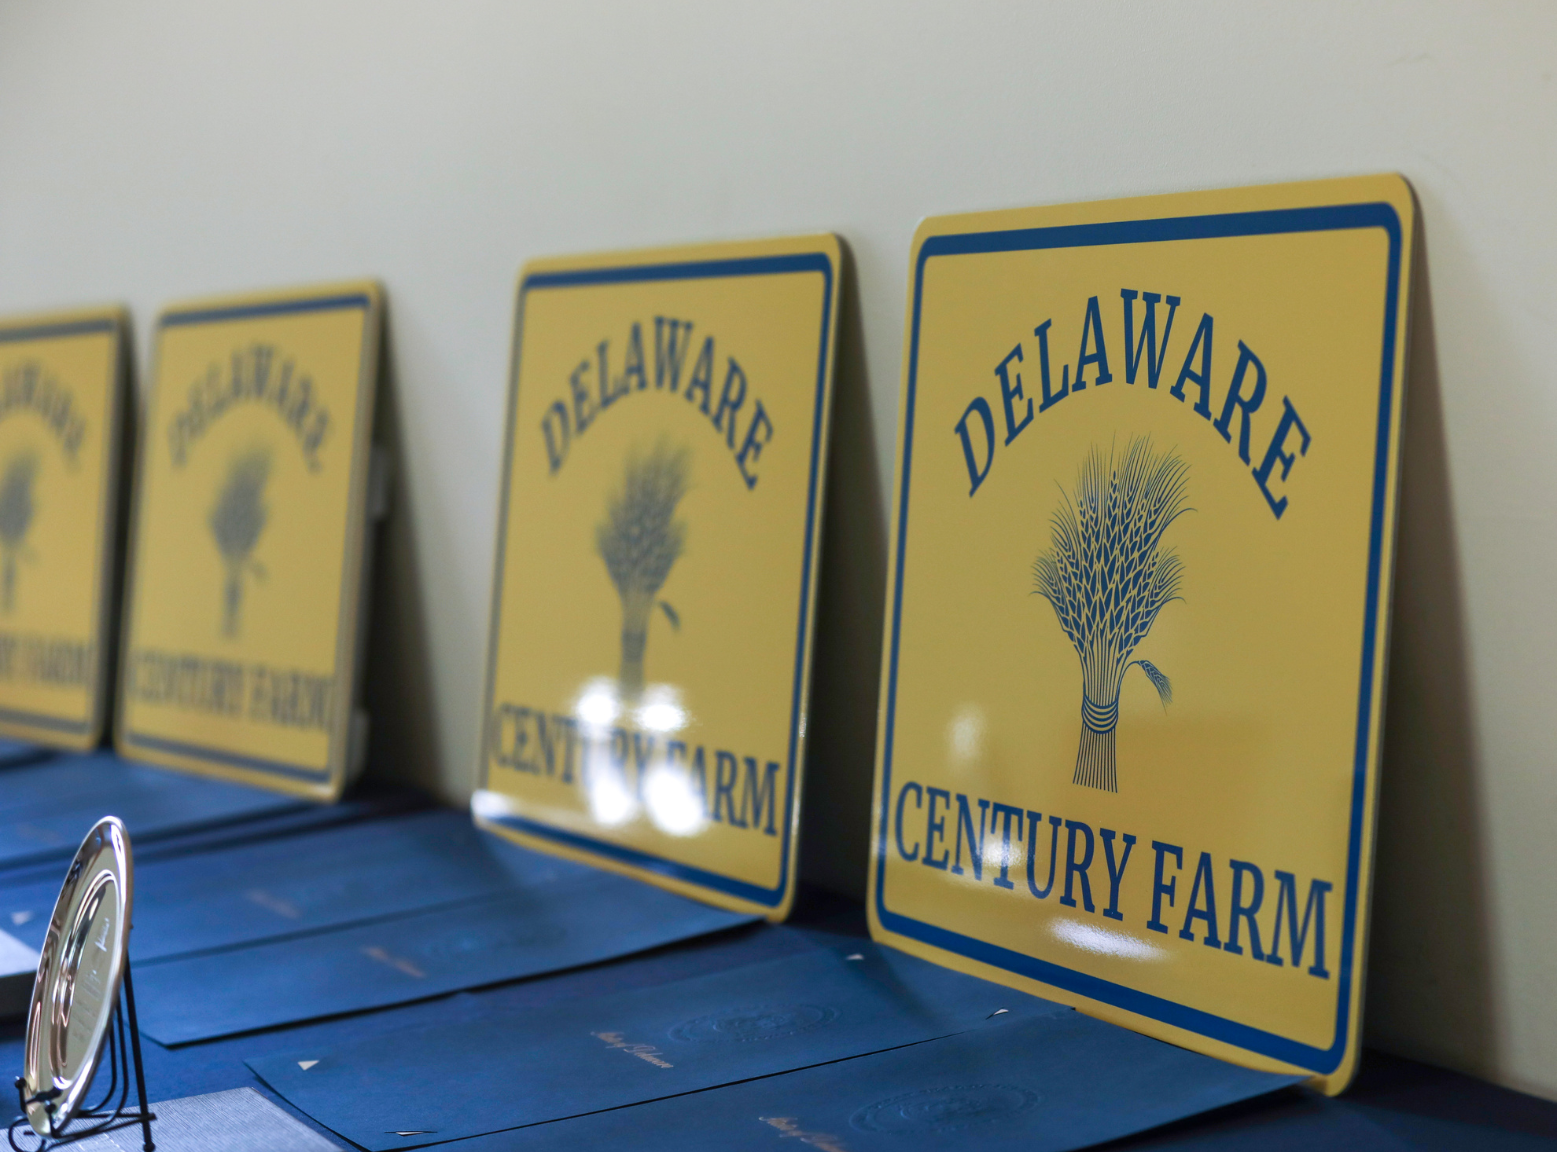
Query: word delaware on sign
(1241, 398)
(592, 388)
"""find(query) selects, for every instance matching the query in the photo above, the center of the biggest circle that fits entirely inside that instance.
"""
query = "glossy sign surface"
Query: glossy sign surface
(245, 568)
(657, 547)
(60, 396)
(77, 989)
(1140, 587)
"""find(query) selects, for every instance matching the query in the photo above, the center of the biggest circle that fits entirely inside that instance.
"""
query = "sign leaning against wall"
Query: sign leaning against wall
(243, 630)
(657, 551)
(62, 383)
(1135, 640)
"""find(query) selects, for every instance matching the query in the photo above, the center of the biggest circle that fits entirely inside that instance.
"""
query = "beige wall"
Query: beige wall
(160, 149)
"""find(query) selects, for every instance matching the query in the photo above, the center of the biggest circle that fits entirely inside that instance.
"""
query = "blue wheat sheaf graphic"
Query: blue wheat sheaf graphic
(1108, 576)
(237, 520)
(17, 508)
(640, 540)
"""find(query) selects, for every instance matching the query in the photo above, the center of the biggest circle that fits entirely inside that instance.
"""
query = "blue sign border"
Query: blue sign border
(54, 331)
(1282, 221)
(191, 316)
(641, 273)
(84, 327)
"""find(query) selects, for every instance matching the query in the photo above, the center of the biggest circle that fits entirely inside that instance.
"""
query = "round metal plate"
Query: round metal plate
(77, 988)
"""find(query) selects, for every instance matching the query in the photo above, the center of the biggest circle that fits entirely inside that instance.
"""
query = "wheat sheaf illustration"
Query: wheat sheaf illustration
(1108, 576)
(17, 508)
(640, 540)
(237, 520)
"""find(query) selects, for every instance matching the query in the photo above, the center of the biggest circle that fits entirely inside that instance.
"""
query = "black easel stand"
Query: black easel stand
(94, 1121)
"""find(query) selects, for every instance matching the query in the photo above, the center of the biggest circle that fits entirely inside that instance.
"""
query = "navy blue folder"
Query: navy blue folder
(304, 883)
(358, 807)
(35, 781)
(16, 752)
(46, 808)
(527, 1068)
(521, 932)
(1039, 1085)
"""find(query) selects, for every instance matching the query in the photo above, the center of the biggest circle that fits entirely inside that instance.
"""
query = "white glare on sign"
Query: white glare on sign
(965, 734)
(673, 804)
(609, 800)
(1102, 942)
(597, 706)
(661, 710)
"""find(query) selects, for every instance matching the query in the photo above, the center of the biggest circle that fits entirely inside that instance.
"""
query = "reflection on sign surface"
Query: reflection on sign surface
(1150, 446)
(653, 600)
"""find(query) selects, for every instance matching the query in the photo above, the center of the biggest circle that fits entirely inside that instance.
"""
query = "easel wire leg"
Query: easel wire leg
(140, 1071)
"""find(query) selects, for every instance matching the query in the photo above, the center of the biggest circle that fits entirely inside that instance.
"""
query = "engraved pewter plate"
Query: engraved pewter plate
(83, 962)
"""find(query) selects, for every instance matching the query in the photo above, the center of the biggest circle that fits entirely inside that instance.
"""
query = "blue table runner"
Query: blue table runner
(47, 808)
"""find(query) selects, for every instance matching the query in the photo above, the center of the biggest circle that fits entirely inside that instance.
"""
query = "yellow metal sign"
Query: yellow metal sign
(661, 503)
(1136, 631)
(241, 631)
(61, 385)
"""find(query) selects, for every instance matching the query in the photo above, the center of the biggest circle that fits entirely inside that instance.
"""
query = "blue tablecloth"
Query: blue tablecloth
(1395, 1103)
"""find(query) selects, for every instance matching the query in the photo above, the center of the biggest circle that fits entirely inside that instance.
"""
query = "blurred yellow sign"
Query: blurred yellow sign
(61, 390)
(1136, 631)
(657, 550)
(248, 545)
